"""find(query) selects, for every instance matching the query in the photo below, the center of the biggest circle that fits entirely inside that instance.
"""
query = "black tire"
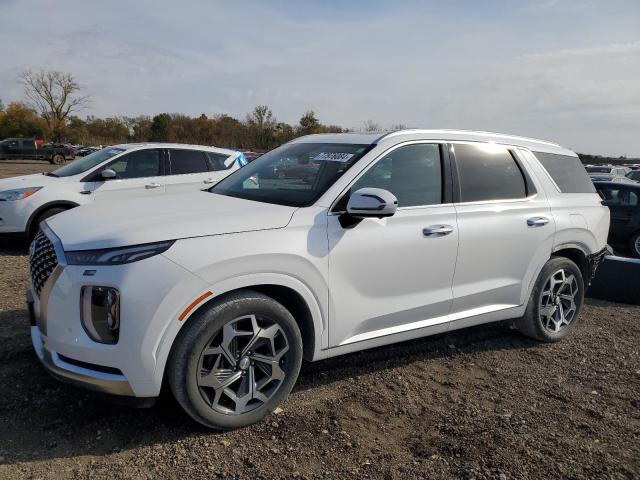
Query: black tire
(634, 245)
(185, 371)
(534, 323)
(57, 159)
(35, 226)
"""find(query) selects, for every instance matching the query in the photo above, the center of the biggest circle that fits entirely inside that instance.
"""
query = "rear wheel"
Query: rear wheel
(634, 245)
(236, 361)
(555, 302)
(57, 159)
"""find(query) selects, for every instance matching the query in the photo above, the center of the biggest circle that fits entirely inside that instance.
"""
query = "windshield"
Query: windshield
(86, 163)
(599, 169)
(295, 174)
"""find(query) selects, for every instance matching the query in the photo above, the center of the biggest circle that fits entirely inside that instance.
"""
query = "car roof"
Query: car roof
(137, 146)
(436, 134)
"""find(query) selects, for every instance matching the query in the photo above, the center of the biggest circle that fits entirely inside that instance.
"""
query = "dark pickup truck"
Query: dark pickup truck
(28, 149)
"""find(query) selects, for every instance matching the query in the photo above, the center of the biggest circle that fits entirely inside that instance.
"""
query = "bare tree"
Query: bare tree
(55, 95)
(370, 126)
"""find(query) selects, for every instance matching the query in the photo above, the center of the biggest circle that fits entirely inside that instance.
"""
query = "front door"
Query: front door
(138, 174)
(392, 275)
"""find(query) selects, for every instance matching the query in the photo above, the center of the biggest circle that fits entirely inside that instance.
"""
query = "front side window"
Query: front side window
(619, 197)
(138, 164)
(295, 174)
(84, 164)
(413, 173)
(187, 161)
(488, 172)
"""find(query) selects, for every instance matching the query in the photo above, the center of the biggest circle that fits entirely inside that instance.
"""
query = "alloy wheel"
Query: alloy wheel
(558, 301)
(636, 246)
(243, 365)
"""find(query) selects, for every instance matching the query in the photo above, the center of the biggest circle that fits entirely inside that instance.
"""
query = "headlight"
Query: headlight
(117, 256)
(17, 194)
(100, 313)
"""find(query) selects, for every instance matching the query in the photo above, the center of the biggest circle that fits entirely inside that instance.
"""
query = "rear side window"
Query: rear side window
(187, 161)
(216, 161)
(619, 196)
(488, 172)
(567, 172)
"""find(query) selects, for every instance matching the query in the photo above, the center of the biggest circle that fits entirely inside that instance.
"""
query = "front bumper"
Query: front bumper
(83, 377)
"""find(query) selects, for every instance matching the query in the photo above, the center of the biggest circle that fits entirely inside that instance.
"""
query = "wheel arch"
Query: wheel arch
(578, 255)
(67, 204)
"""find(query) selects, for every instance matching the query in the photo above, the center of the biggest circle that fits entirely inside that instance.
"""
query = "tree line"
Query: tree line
(52, 100)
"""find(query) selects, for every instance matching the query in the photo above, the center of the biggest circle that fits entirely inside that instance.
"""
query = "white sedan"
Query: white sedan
(120, 171)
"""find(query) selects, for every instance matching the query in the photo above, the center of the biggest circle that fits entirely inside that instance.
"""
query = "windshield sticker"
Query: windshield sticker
(332, 157)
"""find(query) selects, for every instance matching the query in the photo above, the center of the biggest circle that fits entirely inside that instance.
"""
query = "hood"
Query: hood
(25, 181)
(164, 217)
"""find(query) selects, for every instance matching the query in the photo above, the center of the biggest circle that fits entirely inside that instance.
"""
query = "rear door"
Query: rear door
(190, 170)
(505, 229)
(139, 173)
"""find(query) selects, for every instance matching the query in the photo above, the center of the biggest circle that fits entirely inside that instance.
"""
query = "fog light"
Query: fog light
(100, 313)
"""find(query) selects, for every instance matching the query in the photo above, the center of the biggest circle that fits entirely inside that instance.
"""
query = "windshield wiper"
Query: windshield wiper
(50, 174)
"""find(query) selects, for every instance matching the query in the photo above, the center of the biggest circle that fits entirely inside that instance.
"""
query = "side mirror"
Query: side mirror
(108, 174)
(372, 202)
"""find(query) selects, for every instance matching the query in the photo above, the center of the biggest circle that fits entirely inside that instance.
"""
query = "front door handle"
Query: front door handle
(437, 231)
(149, 186)
(537, 221)
(209, 180)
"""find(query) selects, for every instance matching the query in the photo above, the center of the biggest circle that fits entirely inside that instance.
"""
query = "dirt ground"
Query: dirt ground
(479, 403)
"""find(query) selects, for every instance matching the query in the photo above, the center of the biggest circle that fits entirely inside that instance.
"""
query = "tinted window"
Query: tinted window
(488, 172)
(619, 196)
(217, 161)
(138, 164)
(413, 173)
(187, 161)
(588, 169)
(635, 175)
(567, 172)
(295, 174)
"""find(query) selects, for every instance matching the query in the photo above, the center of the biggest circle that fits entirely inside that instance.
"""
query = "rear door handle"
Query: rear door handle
(149, 186)
(437, 230)
(209, 180)
(537, 221)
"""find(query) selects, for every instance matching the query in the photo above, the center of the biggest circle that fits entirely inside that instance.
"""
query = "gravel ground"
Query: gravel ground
(479, 403)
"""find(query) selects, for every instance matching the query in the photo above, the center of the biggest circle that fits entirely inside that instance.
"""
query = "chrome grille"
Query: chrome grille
(42, 261)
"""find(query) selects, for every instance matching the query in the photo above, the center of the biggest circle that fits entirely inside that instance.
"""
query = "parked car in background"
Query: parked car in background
(121, 171)
(28, 149)
(84, 151)
(607, 173)
(624, 203)
(634, 175)
(220, 294)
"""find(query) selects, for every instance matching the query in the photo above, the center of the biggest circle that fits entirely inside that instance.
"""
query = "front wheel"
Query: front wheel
(235, 361)
(555, 302)
(634, 245)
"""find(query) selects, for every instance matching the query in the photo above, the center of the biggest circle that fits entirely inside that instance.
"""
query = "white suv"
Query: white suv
(121, 171)
(366, 240)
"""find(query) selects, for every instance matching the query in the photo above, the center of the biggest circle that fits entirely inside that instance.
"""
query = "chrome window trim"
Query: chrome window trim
(373, 162)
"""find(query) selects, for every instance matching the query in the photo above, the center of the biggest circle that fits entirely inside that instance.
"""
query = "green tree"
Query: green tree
(18, 120)
(309, 123)
(160, 126)
(262, 126)
(77, 131)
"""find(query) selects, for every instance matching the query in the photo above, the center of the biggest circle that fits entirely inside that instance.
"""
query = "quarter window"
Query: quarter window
(488, 172)
(217, 161)
(413, 173)
(138, 164)
(187, 161)
(568, 173)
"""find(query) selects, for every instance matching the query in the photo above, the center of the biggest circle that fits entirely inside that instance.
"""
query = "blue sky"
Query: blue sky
(562, 70)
